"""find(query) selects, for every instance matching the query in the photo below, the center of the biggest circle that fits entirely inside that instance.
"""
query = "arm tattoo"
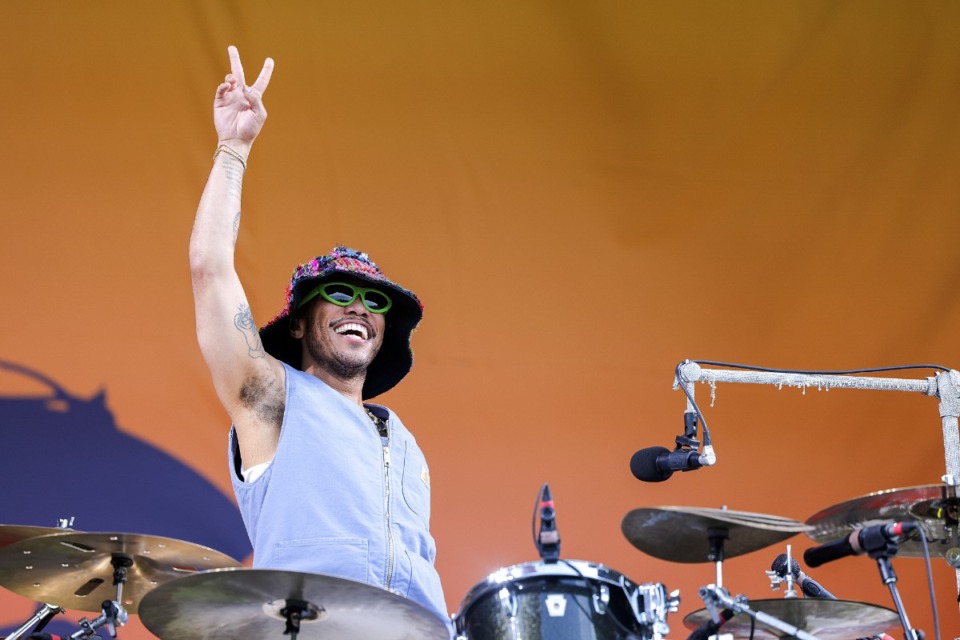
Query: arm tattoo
(243, 321)
(236, 228)
(234, 176)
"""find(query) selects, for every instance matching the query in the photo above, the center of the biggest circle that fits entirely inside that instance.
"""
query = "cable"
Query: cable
(821, 373)
(533, 521)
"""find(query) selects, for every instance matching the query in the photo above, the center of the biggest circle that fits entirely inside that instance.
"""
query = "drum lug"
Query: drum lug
(601, 599)
(508, 602)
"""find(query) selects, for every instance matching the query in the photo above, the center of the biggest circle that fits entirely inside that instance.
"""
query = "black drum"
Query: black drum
(566, 600)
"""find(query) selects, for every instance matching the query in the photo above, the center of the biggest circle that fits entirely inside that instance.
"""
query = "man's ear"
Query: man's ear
(297, 323)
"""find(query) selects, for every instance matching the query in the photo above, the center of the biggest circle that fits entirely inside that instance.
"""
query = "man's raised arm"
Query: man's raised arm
(249, 382)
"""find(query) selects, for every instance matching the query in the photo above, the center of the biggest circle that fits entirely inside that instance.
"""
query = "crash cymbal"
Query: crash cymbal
(825, 619)
(682, 534)
(248, 603)
(10, 533)
(75, 570)
(935, 508)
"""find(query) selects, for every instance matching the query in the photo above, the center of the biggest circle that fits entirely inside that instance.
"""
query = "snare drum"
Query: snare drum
(566, 600)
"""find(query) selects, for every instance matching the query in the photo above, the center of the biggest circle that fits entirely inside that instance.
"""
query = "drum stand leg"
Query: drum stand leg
(43, 615)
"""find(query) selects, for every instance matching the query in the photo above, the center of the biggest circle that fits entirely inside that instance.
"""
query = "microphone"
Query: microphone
(548, 540)
(710, 628)
(875, 540)
(656, 464)
(810, 587)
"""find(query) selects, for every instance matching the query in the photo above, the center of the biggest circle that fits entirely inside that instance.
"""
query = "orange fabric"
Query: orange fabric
(582, 194)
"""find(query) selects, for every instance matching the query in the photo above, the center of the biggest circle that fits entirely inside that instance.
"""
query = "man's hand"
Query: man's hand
(238, 111)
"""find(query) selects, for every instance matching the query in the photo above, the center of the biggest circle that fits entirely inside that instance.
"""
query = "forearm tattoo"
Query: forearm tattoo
(234, 172)
(236, 228)
(243, 321)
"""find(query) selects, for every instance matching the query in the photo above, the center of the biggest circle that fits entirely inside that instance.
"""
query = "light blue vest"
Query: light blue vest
(340, 500)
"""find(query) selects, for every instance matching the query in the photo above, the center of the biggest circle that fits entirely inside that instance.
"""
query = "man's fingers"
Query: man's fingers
(235, 67)
(264, 78)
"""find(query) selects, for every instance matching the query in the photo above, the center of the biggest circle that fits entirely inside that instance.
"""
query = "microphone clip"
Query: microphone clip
(689, 438)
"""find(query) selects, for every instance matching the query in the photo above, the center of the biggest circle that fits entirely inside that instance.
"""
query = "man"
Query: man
(325, 483)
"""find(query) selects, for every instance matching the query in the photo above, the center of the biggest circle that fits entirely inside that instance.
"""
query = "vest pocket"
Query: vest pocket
(416, 483)
(340, 557)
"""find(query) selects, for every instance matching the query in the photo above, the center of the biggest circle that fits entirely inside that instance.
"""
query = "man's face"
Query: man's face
(342, 340)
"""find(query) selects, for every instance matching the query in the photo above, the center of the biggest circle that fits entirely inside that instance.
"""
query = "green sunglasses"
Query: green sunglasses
(343, 295)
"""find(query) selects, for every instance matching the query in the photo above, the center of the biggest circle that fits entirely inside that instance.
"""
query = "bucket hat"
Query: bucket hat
(395, 357)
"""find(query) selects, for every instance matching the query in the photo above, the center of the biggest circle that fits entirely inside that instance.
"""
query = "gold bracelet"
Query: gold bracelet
(230, 152)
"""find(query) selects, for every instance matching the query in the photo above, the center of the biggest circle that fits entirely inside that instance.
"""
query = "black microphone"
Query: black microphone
(810, 587)
(875, 540)
(656, 464)
(548, 541)
(710, 628)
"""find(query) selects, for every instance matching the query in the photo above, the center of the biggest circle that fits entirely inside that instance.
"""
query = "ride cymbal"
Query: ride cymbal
(256, 603)
(76, 570)
(682, 534)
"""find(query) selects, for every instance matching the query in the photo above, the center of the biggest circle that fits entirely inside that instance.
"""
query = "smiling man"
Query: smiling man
(326, 482)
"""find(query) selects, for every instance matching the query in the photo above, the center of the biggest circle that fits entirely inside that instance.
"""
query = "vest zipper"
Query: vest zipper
(386, 506)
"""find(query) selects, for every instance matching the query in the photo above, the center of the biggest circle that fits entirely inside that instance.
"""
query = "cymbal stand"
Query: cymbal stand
(43, 615)
(715, 598)
(114, 614)
(717, 535)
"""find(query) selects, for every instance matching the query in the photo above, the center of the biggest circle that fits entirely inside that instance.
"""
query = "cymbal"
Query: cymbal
(935, 508)
(682, 534)
(825, 619)
(75, 570)
(246, 603)
(10, 533)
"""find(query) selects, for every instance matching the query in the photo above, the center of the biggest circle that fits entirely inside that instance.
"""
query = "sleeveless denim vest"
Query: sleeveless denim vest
(340, 500)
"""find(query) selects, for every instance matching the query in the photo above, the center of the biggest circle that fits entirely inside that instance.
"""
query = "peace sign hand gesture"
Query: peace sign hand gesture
(238, 111)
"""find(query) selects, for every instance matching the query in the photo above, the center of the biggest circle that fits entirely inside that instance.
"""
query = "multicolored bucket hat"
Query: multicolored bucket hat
(395, 358)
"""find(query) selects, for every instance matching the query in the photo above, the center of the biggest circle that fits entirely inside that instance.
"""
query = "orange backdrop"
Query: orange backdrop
(582, 193)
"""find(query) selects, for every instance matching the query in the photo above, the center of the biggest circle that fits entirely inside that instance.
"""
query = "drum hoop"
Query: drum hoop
(517, 573)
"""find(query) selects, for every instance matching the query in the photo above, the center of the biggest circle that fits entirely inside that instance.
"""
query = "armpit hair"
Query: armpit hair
(264, 397)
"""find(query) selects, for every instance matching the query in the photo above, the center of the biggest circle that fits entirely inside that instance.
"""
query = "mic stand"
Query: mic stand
(715, 597)
(945, 386)
(889, 578)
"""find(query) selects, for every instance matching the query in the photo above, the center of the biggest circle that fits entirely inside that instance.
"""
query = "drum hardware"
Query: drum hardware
(784, 617)
(264, 603)
(43, 615)
(784, 576)
(113, 616)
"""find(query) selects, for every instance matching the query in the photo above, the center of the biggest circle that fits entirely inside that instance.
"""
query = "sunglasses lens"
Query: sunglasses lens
(376, 301)
(339, 294)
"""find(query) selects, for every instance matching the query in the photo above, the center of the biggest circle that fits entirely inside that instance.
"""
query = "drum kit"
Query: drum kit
(184, 591)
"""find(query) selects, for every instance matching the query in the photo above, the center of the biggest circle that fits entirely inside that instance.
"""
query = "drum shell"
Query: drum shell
(567, 600)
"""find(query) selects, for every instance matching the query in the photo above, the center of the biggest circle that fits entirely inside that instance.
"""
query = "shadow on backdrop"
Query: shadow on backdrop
(64, 457)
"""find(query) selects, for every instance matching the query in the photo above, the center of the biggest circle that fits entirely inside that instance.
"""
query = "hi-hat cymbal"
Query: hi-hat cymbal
(248, 603)
(682, 534)
(75, 570)
(10, 533)
(935, 508)
(825, 619)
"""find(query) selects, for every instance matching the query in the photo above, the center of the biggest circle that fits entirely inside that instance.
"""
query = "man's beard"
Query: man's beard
(334, 361)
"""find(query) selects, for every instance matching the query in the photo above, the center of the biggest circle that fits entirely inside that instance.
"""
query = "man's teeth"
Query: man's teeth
(352, 327)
